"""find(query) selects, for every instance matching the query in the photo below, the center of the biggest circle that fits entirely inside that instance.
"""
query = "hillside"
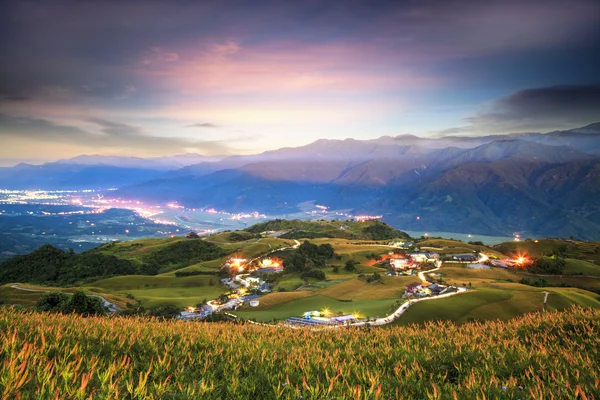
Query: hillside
(50, 265)
(297, 229)
(541, 356)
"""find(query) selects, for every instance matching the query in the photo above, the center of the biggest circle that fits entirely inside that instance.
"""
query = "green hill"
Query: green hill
(297, 229)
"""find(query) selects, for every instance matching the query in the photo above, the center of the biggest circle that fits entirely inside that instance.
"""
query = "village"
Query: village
(247, 281)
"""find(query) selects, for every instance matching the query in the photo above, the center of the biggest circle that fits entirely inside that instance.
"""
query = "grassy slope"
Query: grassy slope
(161, 290)
(12, 295)
(581, 267)
(448, 246)
(497, 303)
(589, 251)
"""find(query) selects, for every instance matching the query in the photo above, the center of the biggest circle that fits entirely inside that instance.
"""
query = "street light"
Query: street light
(545, 299)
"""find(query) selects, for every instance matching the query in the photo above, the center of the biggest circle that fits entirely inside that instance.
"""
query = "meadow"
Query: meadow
(539, 356)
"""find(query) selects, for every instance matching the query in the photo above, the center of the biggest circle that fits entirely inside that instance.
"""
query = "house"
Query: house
(413, 288)
(264, 288)
(400, 263)
(464, 257)
(434, 288)
(425, 257)
(270, 270)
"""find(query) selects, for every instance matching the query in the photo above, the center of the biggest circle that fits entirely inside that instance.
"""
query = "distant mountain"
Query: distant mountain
(546, 185)
(156, 163)
(543, 184)
(57, 176)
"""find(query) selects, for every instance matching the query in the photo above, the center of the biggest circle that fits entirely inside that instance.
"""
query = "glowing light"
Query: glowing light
(191, 309)
(325, 312)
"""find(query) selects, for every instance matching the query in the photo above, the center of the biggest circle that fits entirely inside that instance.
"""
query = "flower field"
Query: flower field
(541, 356)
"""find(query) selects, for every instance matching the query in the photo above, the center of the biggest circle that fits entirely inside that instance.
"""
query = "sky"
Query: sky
(225, 77)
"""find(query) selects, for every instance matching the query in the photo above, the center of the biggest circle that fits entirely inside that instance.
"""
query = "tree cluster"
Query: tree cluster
(308, 256)
(240, 236)
(54, 266)
(78, 303)
(547, 265)
(380, 231)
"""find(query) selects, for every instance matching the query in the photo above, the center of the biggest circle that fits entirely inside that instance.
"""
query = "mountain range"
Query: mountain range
(531, 183)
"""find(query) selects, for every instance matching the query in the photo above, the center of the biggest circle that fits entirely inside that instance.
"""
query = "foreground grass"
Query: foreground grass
(542, 355)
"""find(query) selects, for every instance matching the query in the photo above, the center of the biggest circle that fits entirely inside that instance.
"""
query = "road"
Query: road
(112, 307)
(422, 273)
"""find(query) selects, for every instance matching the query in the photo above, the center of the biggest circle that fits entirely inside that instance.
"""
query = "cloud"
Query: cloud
(128, 91)
(158, 54)
(226, 49)
(111, 136)
(202, 125)
(14, 98)
(116, 128)
(539, 109)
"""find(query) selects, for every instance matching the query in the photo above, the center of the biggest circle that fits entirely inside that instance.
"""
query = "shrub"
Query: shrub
(313, 273)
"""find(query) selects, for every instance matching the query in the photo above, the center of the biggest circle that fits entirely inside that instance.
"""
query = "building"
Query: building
(400, 263)
(464, 257)
(270, 270)
(412, 288)
(425, 257)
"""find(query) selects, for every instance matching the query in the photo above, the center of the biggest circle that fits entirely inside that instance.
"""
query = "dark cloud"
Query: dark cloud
(112, 128)
(112, 134)
(202, 125)
(539, 109)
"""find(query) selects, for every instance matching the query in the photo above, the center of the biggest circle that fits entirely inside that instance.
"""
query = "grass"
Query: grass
(581, 267)
(297, 307)
(10, 295)
(503, 302)
(455, 308)
(358, 290)
(551, 355)
(161, 290)
(448, 246)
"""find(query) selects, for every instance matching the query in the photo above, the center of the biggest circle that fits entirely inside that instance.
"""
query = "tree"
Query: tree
(561, 250)
(52, 301)
(313, 273)
(81, 303)
(168, 311)
(350, 265)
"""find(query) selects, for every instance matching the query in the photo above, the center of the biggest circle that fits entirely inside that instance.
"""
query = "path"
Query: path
(421, 274)
(112, 307)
